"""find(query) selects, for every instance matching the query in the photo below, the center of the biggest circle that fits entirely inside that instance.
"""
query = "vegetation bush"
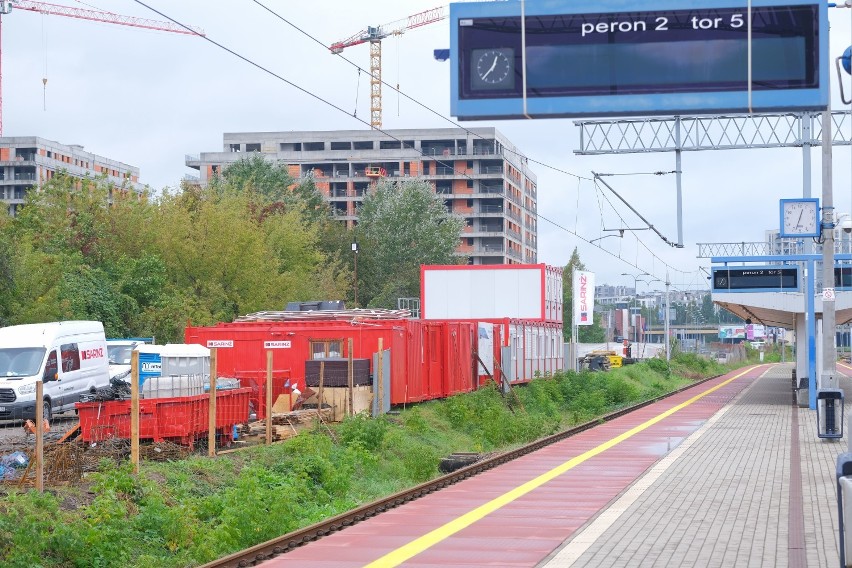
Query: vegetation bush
(192, 511)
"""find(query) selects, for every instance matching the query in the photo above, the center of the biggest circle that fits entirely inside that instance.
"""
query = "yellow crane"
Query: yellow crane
(375, 35)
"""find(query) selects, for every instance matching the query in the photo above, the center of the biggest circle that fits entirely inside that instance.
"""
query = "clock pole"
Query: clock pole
(829, 350)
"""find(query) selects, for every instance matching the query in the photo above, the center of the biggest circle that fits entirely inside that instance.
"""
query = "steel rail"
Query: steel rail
(285, 543)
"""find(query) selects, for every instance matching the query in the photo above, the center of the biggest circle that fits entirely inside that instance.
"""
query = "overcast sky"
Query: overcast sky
(149, 98)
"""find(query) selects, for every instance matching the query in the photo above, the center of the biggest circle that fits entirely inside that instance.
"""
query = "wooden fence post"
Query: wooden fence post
(211, 433)
(134, 410)
(351, 380)
(268, 396)
(380, 374)
(39, 434)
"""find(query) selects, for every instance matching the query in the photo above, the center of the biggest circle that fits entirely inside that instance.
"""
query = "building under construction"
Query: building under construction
(480, 175)
(28, 161)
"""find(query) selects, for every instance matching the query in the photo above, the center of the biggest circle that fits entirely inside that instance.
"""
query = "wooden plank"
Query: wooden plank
(321, 381)
(72, 433)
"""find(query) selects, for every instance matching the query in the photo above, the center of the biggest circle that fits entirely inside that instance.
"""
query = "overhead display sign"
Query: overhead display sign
(613, 58)
(756, 279)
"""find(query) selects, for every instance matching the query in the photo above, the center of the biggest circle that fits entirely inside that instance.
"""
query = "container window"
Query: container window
(323, 349)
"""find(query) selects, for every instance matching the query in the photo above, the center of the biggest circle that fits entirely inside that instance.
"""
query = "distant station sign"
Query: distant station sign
(616, 58)
(756, 279)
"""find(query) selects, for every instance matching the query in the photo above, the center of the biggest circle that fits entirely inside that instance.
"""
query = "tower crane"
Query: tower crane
(6, 7)
(375, 35)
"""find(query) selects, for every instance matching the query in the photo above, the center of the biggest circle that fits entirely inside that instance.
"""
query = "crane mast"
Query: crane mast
(375, 35)
(6, 7)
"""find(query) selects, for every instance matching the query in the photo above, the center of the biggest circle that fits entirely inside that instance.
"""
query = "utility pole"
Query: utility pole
(829, 350)
(355, 253)
(666, 327)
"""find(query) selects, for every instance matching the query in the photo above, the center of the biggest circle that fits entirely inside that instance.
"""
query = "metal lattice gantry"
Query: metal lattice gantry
(711, 250)
(720, 132)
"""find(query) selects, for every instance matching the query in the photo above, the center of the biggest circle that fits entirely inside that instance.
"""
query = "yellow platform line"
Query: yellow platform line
(400, 555)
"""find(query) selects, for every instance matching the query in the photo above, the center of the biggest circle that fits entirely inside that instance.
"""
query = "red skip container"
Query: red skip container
(181, 419)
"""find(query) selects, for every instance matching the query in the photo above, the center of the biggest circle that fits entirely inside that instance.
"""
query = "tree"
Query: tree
(402, 225)
(594, 333)
(272, 186)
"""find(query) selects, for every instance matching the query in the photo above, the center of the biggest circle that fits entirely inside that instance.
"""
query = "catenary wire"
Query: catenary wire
(388, 134)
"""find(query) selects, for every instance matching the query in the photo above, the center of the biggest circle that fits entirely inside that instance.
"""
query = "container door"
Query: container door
(485, 346)
(436, 356)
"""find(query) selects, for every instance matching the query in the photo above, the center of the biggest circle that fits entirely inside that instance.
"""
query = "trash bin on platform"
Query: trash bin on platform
(830, 413)
(844, 505)
(802, 394)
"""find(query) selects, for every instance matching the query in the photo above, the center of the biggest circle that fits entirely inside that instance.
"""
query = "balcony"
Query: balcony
(489, 248)
(490, 211)
(484, 150)
(493, 189)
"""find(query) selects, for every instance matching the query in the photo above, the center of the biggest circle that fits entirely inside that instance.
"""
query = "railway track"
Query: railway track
(283, 544)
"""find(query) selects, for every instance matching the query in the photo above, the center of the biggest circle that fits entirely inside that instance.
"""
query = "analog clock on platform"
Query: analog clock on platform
(800, 217)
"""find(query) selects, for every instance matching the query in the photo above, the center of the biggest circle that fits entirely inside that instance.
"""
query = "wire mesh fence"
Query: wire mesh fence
(167, 417)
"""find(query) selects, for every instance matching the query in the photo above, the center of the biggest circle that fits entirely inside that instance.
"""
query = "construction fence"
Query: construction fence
(167, 418)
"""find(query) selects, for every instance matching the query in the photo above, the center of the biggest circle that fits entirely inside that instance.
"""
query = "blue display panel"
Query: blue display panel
(756, 279)
(600, 59)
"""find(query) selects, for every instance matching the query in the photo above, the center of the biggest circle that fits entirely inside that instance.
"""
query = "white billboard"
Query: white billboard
(478, 292)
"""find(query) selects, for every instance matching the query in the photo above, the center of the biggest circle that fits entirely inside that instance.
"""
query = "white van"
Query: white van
(69, 356)
(119, 352)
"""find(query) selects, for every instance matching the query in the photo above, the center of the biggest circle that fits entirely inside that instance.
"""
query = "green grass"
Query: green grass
(192, 511)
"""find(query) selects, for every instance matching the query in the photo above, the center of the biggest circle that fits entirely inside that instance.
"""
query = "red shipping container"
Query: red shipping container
(182, 419)
(428, 359)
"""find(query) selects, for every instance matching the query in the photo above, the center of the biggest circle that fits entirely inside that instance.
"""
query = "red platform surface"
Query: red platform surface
(526, 525)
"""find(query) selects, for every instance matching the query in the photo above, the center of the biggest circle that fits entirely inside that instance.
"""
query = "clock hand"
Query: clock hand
(493, 66)
(799, 222)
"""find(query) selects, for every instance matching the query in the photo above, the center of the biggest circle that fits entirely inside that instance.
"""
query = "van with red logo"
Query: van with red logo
(70, 357)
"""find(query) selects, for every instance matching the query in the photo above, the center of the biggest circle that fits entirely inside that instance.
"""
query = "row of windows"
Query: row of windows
(429, 147)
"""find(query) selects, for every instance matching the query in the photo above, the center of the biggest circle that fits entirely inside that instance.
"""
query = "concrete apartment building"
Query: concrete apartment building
(27, 161)
(481, 176)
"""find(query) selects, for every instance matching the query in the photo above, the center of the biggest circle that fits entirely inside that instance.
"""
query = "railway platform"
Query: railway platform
(729, 473)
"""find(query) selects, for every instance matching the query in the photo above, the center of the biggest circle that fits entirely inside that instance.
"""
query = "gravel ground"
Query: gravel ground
(13, 436)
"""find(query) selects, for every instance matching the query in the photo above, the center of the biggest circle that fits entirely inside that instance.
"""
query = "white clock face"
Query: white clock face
(800, 218)
(493, 69)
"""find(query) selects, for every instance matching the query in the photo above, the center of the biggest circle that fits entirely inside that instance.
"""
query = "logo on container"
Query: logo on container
(219, 343)
(584, 309)
(276, 345)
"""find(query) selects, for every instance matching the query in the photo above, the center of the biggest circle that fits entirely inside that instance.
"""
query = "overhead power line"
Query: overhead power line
(388, 134)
